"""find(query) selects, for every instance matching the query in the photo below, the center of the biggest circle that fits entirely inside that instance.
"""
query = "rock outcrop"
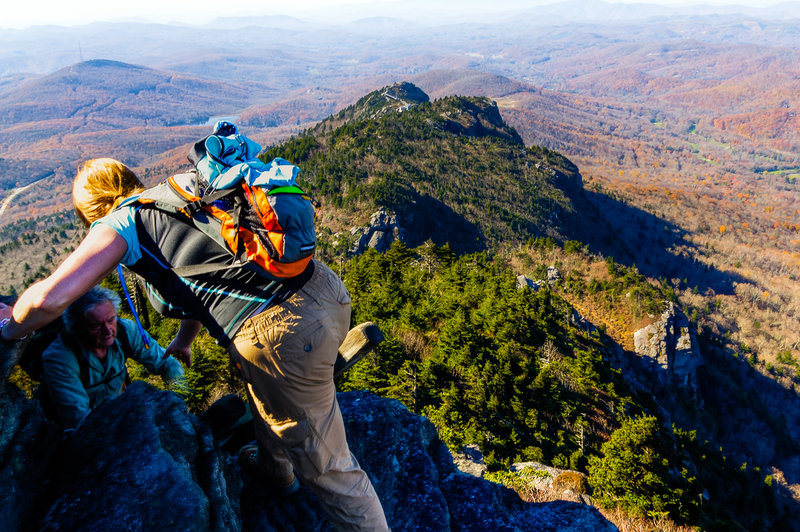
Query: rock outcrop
(141, 461)
(394, 98)
(553, 276)
(672, 346)
(527, 282)
(478, 117)
(383, 229)
(568, 485)
(470, 460)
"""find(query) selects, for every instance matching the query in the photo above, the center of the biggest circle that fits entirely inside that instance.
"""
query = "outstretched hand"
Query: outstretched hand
(181, 346)
(180, 351)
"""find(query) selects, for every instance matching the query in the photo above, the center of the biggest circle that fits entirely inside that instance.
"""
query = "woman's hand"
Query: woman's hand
(180, 351)
(181, 346)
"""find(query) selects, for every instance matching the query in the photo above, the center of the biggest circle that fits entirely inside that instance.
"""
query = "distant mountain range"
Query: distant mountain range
(414, 33)
(279, 75)
(103, 94)
(106, 108)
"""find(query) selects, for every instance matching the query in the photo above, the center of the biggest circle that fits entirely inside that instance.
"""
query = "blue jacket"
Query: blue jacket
(74, 399)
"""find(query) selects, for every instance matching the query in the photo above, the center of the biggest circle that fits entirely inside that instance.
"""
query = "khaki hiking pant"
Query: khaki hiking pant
(286, 354)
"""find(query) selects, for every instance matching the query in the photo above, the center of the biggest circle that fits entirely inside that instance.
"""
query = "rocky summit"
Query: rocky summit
(141, 461)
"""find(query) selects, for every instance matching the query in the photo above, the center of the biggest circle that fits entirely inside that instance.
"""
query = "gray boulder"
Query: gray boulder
(383, 229)
(567, 484)
(672, 346)
(140, 461)
(527, 282)
(470, 460)
(553, 275)
(421, 488)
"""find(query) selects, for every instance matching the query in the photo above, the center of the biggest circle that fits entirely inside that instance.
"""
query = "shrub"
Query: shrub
(634, 473)
(572, 481)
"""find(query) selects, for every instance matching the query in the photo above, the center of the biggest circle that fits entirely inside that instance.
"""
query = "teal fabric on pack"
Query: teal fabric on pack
(234, 157)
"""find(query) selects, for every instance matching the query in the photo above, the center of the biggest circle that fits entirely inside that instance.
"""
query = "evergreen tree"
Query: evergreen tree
(636, 473)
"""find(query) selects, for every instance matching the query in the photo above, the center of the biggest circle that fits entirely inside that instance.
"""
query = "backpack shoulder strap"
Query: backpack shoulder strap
(169, 195)
(31, 359)
(175, 196)
(127, 350)
(73, 346)
(42, 392)
(124, 342)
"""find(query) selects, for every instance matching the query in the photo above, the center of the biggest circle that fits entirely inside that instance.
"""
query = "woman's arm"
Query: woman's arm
(181, 345)
(44, 301)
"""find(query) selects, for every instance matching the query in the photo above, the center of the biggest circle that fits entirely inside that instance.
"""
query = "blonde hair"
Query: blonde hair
(100, 185)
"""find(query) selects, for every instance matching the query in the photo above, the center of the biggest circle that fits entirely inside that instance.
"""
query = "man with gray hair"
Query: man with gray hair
(85, 364)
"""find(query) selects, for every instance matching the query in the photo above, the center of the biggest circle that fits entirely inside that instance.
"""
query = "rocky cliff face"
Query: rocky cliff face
(141, 461)
(383, 229)
(672, 346)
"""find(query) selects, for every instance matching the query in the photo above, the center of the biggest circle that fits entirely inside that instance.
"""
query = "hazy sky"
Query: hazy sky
(24, 13)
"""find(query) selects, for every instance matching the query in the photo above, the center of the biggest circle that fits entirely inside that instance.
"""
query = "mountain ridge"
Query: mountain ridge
(381, 150)
(111, 89)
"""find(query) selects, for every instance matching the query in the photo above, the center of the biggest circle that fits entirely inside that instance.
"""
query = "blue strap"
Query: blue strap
(133, 308)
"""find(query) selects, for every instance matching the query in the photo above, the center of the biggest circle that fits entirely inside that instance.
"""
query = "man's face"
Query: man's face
(101, 325)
